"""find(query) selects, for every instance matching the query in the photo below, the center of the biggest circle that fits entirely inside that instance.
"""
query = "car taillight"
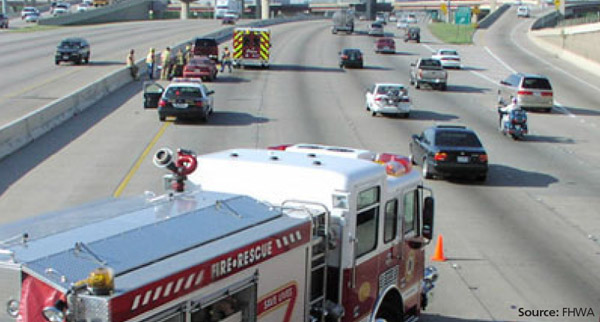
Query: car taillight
(483, 157)
(199, 103)
(440, 156)
(378, 98)
(525, 93)
(420, 73)
(344, 56)
(162, 103)
(547, 94)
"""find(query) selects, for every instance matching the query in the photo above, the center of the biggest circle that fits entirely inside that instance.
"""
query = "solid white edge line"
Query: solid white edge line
(512, 39)
(499, 60)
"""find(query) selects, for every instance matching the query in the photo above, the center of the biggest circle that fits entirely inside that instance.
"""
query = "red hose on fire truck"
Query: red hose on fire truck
(303, 233)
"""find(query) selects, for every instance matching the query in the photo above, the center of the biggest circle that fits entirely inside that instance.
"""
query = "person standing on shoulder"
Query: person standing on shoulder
(226, 59)
(189, 54)
(151, 62)
(131, 65)
(165, 58)
(179, 64)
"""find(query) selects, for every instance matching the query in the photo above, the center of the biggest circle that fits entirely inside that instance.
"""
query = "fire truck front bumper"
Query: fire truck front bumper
(429, 279)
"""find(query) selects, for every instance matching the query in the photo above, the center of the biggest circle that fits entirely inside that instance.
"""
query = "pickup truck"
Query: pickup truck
(428, 71)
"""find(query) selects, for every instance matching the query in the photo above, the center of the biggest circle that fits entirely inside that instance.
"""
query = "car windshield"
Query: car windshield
(69, 44)
(457, 138)
(449, 52)
(182, 92)
(536, 83)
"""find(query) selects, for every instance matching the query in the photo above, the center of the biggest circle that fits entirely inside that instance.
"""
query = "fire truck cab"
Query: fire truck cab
(251, 47)
(380, 218)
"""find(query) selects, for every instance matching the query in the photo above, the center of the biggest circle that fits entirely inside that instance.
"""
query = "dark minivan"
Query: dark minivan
(206, 47)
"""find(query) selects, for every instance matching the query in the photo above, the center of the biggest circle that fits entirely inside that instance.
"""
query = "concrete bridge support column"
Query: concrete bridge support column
(185, 9)
(264, 7)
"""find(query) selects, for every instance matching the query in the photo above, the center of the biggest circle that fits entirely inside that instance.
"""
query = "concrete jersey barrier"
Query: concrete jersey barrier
(20, 132)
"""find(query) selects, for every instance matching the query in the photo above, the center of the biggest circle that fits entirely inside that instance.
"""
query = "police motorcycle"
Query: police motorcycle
(516, 125)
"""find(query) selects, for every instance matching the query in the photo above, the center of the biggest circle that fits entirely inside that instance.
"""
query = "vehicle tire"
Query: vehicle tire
(373, 113)
(417, 85)
(87, 59)
(426, 172)
(162, 118)
(56, 62)
(443, 87)
(548, 110)
(404, 115)
(481, 178)
(389, 313)
(367, 106)
(412, 159)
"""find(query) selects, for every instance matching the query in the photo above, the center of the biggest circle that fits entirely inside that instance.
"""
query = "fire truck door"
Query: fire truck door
(413, 254)
(392, 238)
(251, 45)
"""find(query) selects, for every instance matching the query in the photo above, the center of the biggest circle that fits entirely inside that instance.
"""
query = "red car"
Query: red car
(200, 67)
(385, 45)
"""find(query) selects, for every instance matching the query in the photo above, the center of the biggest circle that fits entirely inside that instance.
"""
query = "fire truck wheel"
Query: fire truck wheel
(389, 313)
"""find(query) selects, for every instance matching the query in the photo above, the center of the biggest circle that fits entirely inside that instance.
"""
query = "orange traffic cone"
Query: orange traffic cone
(438, 255)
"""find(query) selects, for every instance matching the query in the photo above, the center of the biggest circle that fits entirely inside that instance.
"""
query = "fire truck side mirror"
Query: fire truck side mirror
(428, 217)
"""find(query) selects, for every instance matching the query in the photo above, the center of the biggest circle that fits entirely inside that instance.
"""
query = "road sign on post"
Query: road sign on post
(444, 8)
(462, 16)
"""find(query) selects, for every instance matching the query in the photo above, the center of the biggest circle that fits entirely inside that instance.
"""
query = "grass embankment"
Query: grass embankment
(452, 34)
(33, 28)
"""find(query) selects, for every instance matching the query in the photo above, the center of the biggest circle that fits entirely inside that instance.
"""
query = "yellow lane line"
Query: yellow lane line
(139, 161)
(34, 86)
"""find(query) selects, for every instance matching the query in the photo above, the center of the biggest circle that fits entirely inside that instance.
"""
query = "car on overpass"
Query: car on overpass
(449, 151)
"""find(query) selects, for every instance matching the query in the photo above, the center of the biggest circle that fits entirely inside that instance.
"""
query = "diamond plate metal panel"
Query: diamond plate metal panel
(387, 278)
(142, 245)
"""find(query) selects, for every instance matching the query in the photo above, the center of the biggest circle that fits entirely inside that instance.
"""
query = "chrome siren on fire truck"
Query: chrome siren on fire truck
(332, 251)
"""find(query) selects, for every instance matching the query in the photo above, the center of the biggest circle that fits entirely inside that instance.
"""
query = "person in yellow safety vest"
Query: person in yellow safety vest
(179, 64)
(131, 65)
(165, 58)
(188, 54)
(226, 59)
(151, 63)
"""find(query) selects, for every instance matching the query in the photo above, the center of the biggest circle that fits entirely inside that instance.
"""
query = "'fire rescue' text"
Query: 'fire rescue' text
(241, 260)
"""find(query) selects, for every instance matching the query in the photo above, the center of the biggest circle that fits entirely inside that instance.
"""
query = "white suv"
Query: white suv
(523, 11)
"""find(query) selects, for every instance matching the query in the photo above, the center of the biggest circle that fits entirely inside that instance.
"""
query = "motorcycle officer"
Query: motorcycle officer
(504, 112)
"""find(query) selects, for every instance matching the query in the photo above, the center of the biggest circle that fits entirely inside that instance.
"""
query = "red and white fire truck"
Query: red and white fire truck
(251, 46)
(304, 233)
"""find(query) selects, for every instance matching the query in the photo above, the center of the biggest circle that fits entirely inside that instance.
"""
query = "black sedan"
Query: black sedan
(449, 150)
(351, 57)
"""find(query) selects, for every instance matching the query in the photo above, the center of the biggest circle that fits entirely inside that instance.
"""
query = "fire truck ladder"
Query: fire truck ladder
(319, 253)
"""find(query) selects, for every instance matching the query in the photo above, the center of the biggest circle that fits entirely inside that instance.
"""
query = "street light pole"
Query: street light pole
(4, 7)
(448, 10)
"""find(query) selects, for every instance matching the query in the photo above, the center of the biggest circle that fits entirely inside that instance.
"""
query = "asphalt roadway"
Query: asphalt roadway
(525, 240)
(30, 79)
